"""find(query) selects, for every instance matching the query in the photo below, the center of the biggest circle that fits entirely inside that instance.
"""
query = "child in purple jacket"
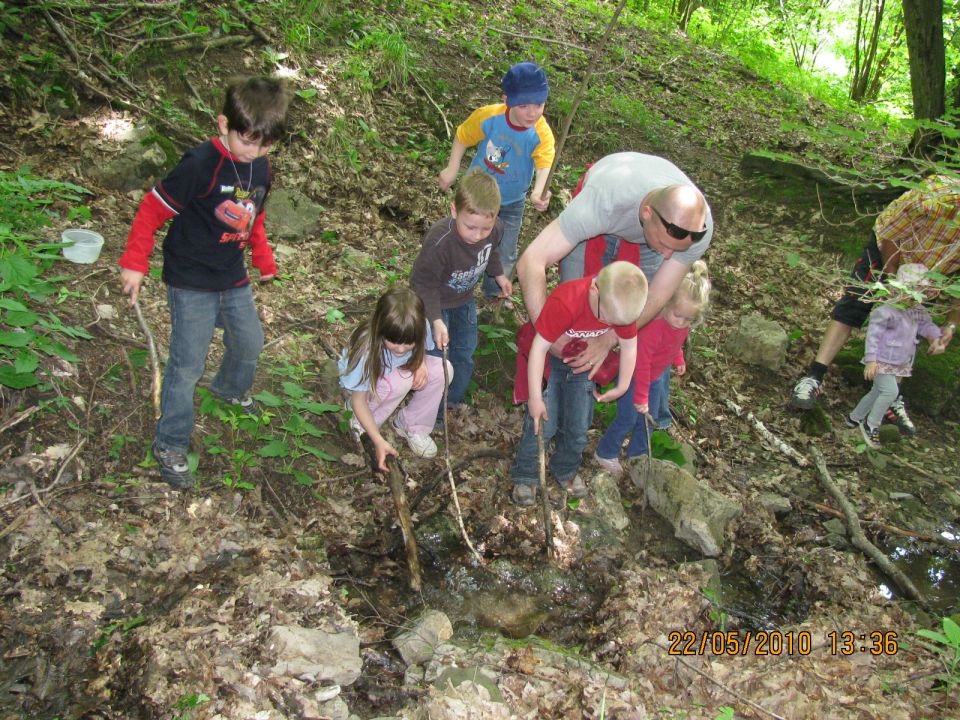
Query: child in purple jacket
(891, 344)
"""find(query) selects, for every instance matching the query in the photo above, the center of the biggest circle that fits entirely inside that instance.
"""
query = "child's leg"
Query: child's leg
(512, 217)
(242, 341)
(660, 409)
(420, 413)
(638, 441)
(525, 469)
(193, 315)
(575, 415)
(623, 424)
(461, 323)
(887, 389)
(391, 389)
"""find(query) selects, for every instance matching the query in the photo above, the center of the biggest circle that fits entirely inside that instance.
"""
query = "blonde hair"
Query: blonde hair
(478, 193)
(694, 287)
(622, 289)
(400, 318)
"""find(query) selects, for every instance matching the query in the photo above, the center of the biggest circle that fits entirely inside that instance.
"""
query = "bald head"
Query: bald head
(681, 205)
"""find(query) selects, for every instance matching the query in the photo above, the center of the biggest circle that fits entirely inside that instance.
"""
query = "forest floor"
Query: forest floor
(123, 598)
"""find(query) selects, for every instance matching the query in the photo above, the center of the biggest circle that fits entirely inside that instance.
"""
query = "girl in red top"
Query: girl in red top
(659, 345)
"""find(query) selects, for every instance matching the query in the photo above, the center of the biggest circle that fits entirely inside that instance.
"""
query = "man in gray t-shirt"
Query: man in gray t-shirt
(629, 197)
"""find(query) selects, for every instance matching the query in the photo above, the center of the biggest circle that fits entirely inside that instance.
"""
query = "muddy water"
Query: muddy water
(934, 572)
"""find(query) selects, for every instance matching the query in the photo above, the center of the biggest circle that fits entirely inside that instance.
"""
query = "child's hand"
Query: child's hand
(609, 395)
(441, 335)
(506, 287)
(267, 278)
(642, 408)
(937, 346)
(680, 370)
(870, 370)
(541, 204)
(537, 411)
(383, 449)
(419, 378)
(447, 177)
(131, 279)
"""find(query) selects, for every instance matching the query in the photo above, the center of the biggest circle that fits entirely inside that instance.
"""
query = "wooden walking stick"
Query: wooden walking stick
(395, 478)
(565, 128)
(544, 497)
(446, 452)
(154, 361)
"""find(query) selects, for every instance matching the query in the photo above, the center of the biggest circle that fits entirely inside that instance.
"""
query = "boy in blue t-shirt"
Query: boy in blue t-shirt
(515, 146)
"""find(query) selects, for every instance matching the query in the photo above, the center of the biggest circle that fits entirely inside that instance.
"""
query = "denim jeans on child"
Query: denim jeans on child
(512, 217)
(628, 421)
(660, 409)
(461, 325)
(570, 402)
(194, 314)
(874, 404)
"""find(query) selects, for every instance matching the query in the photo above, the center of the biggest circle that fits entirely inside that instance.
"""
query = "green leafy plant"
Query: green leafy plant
(28, 330)
(187, 703)
(124, 626)
(664, 447)
(947, 646)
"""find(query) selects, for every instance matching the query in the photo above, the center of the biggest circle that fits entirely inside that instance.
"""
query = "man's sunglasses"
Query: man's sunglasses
(677, 232)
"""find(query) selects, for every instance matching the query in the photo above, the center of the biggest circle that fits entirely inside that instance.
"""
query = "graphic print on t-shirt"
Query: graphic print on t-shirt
(463, 281)
(239, 212)
(495, 158)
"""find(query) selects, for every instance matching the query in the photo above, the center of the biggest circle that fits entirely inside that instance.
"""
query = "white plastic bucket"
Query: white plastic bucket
(86, 245)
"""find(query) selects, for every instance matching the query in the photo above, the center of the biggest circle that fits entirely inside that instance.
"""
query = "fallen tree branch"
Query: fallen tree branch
(893, 530)
(443, 116)
(431, 485)
(154, 360)
(19, 418)
(860, 540)
(768, 436)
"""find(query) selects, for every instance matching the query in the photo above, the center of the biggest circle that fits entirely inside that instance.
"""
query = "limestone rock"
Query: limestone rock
(416, 645)
(777, 504)
(607, 500)
(698, 513)
(315, 654)
(292, 214)
(758, 342)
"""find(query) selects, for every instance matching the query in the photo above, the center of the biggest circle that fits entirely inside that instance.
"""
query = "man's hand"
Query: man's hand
(419, 377)
(131, 279)
(441, 336)
(592, 358)
(541, 204)
(537, 411)
(870, 370)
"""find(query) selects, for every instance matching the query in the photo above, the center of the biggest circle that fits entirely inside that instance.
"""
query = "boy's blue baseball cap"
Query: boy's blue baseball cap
(525, 84)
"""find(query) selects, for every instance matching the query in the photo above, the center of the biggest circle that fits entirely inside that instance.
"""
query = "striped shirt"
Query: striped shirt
(924, 224)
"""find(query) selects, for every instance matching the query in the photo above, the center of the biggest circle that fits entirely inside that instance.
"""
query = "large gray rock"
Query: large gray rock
(315, 655)
(758, 342)
(607, 500)
(698, 513)
(416, 645)
(139, 163)
(292, 214)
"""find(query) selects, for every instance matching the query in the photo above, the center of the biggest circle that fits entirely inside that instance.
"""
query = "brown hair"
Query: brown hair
(623, 291)
(256, 108)
(478, 193)
(400, 318)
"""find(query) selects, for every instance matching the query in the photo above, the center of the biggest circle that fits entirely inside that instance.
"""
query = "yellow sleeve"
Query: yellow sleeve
(543, 155)
(470, 131)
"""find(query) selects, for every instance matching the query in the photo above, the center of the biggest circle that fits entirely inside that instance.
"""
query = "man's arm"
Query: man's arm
(664, 284)
(549, 247)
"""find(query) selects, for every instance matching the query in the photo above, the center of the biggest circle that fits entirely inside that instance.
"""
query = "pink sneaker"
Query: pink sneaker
(611, 465)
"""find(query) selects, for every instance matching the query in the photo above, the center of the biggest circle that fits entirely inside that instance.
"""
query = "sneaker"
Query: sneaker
(174, 468)
(850, 422)
(247, 405)
(897, 415)
(524, 495)
(869, 434)
(421, 445)
(806, 392)
(611, 465)
(575, 488)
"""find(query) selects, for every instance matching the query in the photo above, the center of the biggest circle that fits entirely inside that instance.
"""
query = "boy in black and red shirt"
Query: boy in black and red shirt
(578, 309)
(215, 196)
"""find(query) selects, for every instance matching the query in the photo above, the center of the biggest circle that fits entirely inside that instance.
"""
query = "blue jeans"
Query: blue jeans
(570, 402)
(660, 408)
(512, 217)
(193, 316)
(461, 325)
(629, 422)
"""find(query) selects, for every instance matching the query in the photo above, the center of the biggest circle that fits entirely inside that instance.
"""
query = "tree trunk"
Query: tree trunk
(923, 20)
